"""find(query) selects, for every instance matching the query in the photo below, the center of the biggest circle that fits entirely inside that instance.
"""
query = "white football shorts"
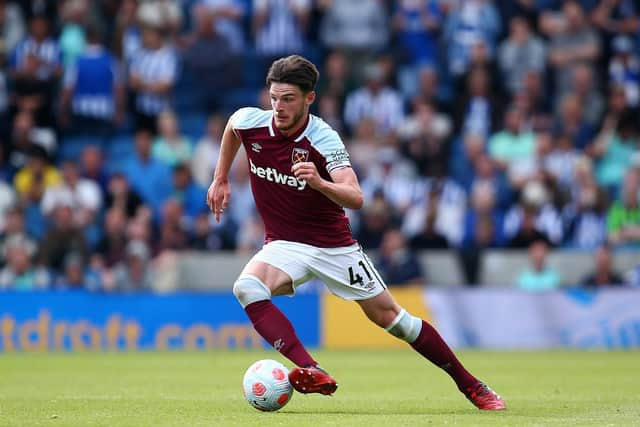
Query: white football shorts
(347, 271)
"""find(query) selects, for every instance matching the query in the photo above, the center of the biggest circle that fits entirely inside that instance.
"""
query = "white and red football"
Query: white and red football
(266, 385)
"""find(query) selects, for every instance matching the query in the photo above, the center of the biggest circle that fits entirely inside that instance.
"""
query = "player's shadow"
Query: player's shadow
(421, 411)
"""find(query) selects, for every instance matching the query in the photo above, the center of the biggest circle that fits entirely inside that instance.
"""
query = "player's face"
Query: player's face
(290, 106)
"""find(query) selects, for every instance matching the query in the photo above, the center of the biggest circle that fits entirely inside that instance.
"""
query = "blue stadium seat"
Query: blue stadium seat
(193, 125)
(71, 146)
(119, 150)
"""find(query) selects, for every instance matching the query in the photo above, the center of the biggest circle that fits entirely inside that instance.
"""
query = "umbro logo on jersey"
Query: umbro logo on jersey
(272, 175)
(256, 147)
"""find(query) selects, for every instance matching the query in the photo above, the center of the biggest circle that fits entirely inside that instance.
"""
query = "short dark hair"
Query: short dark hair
(294, 70)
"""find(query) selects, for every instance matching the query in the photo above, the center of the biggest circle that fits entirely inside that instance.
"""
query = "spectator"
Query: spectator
(165, 15)
(134, 273)
(397, 264)
(613, 150)
(424, 134)
(393, 176)
(440, 214)
(149, 178)
(535, 91)
(632, 277)
(572, 122)
(12, 24)
(623, 218)
(359, 27)
(7, 202)
(92, 167)
(416, 26)
(13, 224)
(574, 42)
(81, 194)
(35, 70)
(617, 17)
(170, 147)
(74, 15)
(364, 148)
(76, 275)
(468, 23)
(520, 53)
(32, 8)
(533, 219)
(173, 227)
(229, 17)
(374, 100)
(587, 93)
(280, 28)
(331, 112)
(93, 90)
(25, 135)
(586, 219)
(483, 207)
(512, 143)
(560, 162)
(188, 193)
(378, 217)
(603, 275)
(251, 236)
(127, 38)
(214, 74)
(624, 69)
(205, 154)
(152, 74)
(204, 237)
(539, 276)
(485, 173)
(121, 197)
(478, 110)
(428, 89)
(472, 252)
(242, 208)
(335, 79)
(62, 238)
(113, 244)
(36, 176)
(19, 273)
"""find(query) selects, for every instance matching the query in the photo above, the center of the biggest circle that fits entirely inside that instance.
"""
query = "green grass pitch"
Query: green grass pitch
(377, 388)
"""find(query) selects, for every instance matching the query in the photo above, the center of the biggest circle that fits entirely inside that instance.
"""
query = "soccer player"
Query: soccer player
(301, 180)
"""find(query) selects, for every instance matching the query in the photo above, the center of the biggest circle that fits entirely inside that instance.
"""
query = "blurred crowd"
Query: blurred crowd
(472, 124)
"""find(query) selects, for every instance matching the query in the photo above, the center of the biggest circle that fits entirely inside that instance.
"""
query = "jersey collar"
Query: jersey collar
(297, 137)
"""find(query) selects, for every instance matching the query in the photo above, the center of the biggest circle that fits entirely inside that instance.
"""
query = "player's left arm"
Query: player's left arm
(343, 190)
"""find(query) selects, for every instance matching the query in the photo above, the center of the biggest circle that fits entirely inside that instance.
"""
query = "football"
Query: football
(266, 385)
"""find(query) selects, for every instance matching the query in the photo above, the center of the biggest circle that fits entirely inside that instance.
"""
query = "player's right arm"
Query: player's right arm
(220, 189)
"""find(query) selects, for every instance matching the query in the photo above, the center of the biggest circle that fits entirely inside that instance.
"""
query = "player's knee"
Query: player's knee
(405, 326)
(249, 289)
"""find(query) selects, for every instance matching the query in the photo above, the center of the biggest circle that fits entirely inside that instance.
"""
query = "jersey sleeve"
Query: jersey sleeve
(330, 145)
(249, 117)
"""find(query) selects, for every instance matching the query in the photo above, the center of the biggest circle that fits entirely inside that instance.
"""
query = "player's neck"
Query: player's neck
(296, 128)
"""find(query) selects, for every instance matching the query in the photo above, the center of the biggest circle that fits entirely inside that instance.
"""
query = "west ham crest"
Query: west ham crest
(299, 155)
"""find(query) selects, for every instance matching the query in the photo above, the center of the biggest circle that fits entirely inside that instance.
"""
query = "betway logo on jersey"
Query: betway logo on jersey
(272, 175)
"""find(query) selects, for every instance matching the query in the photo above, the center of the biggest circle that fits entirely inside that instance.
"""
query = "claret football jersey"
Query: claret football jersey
(290, 209)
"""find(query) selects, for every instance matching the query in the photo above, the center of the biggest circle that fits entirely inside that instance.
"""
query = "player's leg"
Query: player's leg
(275, 270)
(386, 313)
(257, 283)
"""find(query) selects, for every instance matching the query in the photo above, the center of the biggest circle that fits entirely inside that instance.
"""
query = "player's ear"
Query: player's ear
(310, 97)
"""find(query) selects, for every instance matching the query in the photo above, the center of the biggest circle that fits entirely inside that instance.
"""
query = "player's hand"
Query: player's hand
(218, 197)
(308, 172)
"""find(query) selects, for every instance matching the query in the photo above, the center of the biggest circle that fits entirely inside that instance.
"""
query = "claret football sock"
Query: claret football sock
(431, 345)
(276, 329)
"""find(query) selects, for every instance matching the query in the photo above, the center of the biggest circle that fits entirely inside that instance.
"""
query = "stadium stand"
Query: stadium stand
(504, 134)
